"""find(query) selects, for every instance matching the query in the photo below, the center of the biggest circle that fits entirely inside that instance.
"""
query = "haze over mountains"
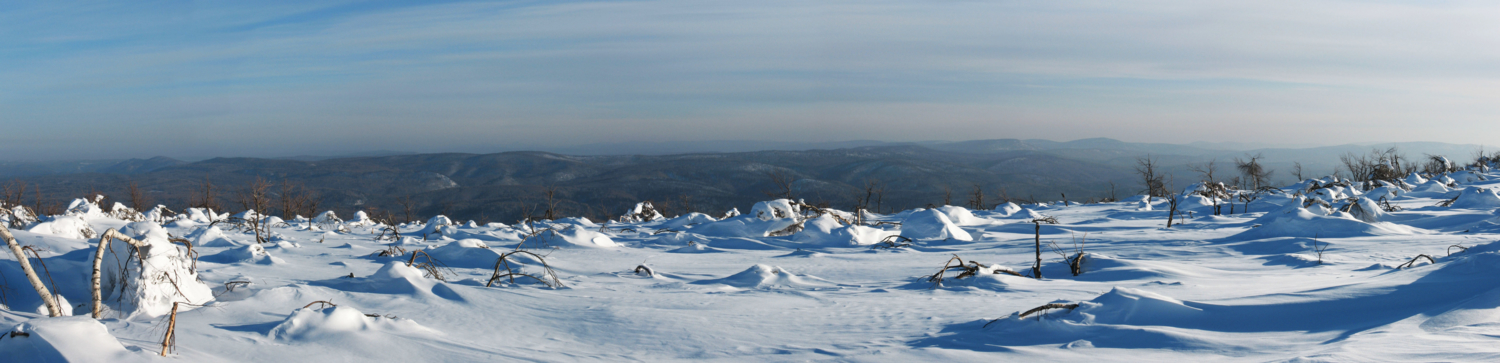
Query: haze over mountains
(709, 177)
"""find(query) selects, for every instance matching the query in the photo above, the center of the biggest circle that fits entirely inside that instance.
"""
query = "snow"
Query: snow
(932, 224)
(64, 339)
(1280, 283)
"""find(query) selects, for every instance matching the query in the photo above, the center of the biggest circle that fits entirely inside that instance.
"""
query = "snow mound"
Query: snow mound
(1367, 210)
(63, 339)
(687, 220)
(163, 275)
(572, 236)
(340, 323)
(66, 227)
(199, 215)
(395, 278)
(469, 252)
(932, 225)
(361, 219)
(85, 208)
(1431, 187)
(1008, 208)
(327, 218)
(826, 231)
(763, 276)
(1296, 221)
(696, 248)
(214, 237)
(1137, 307)
(437, 225)
(959, 215)
(742, 226)
(254, 254)
(1477, 198)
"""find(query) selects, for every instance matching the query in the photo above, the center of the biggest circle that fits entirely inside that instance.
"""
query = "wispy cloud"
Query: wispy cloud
(255, 78)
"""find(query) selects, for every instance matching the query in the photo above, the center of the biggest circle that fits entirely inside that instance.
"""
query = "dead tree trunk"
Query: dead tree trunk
(36, 282)
(104, 240)
(1036, 270)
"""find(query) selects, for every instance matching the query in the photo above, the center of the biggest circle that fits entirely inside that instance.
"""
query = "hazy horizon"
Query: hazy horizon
(695, 146)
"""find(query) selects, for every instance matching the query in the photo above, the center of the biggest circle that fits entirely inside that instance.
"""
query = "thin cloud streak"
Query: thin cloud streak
(192, 79)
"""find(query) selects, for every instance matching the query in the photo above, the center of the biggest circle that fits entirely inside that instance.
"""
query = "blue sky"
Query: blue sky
(194, 79)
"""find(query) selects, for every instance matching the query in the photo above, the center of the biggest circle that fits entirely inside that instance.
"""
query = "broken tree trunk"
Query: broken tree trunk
(36, 282)
(1036, 270)
(104, 240)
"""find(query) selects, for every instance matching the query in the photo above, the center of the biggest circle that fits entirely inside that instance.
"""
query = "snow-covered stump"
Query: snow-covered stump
(160, 275)
(53, 309)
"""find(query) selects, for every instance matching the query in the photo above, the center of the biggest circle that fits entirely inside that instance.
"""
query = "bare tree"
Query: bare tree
(254, 198)
(863, 203)
(1387, 164)
(1254, 172)
(782, 181)
(947, 195)
(206, 198)
(687, 204)
(976, 198)
(1206, 170)
(550, 194)
(1297, 171)
(138, 200)
(1146, 167)
(408, 207)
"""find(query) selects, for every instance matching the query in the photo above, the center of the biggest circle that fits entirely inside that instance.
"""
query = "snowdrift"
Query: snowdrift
(931, 224)
(63, 339)
(342, 323)
(764, 276)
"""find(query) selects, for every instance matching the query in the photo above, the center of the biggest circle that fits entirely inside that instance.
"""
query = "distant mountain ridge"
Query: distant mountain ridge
(502, 185)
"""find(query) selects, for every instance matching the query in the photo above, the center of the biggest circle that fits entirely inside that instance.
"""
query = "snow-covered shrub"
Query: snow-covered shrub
(642, 212)
(774, 209)
(145, 283)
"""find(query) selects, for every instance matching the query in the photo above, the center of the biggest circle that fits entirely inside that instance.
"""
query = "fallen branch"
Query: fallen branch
(325, 303)
(893, 241)
(1037, 309)
(645, 269)
(1414, 260)
(972, 268)
(1461, 247)
(229, 287)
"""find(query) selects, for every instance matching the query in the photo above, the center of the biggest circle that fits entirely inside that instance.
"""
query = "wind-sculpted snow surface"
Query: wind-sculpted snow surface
(1320, 270)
